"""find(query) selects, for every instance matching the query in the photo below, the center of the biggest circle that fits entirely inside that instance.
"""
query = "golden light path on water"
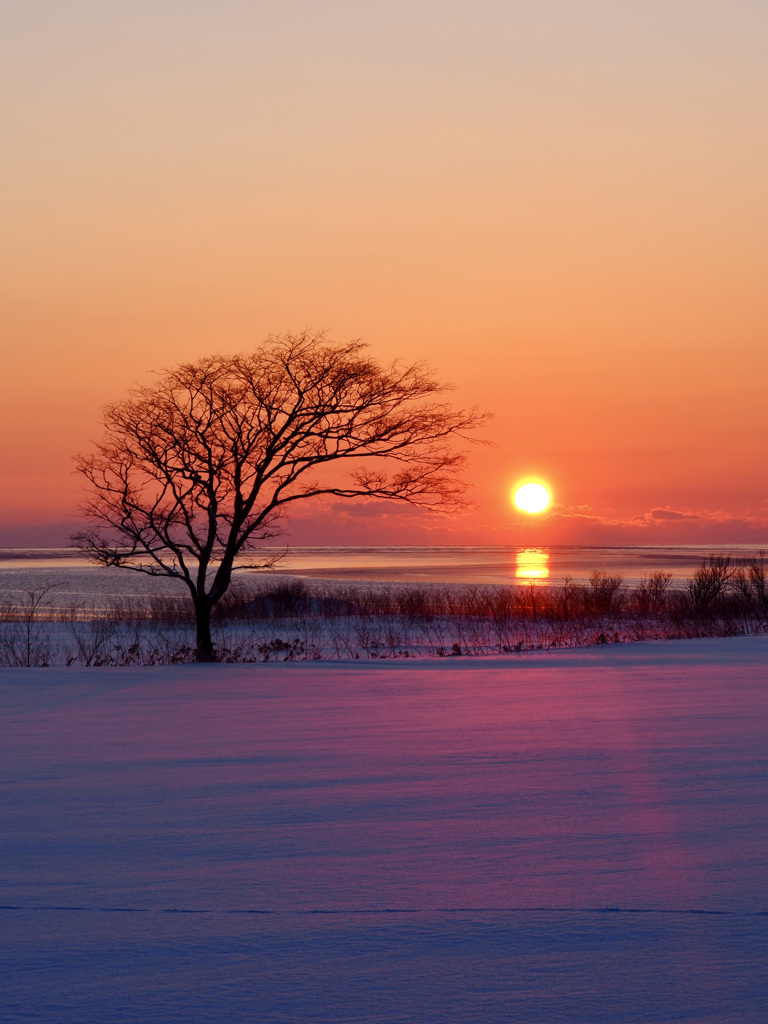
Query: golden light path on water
(532, 564)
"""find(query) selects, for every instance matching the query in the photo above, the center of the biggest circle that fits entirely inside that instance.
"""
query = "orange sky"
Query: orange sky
(560, 206)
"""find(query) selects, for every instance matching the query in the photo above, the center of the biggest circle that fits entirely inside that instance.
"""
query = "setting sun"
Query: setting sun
(532, 498)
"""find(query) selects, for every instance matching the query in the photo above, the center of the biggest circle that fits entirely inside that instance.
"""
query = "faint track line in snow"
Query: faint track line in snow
(375, 911)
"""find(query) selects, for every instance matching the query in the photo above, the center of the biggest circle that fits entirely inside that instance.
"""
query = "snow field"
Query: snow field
(564, 836)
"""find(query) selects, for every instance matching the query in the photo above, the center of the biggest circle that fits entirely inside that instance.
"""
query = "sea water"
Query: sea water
(73, 579)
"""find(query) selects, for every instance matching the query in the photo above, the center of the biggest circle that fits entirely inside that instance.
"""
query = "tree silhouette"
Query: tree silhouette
(197, 469)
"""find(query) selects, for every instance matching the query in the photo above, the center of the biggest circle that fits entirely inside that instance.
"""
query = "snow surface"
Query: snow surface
(574, 836)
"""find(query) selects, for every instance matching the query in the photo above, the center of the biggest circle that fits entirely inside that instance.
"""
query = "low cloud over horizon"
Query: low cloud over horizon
(361, 523)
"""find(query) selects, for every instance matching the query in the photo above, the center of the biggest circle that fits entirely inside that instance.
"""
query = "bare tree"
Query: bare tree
(196, 470)
(709, 581)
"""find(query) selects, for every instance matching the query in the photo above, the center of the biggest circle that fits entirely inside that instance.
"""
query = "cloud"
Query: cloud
(362, 509)
(574, 517)
(576, 525)
(671, 514)
(705, 518)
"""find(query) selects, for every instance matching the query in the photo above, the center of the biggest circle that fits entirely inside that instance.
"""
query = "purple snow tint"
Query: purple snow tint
(575, 836)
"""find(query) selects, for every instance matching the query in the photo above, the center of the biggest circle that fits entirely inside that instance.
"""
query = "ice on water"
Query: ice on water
(75, 581)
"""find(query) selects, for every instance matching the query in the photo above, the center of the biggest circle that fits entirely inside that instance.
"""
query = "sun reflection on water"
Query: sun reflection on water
(532, 564)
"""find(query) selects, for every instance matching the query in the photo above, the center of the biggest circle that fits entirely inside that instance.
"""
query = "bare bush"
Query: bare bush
(650, 597)
(24, 637)
(606, 593)
(709, 582)
(94, 638)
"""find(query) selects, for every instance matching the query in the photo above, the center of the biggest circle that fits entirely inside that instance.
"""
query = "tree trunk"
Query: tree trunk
(204, 650)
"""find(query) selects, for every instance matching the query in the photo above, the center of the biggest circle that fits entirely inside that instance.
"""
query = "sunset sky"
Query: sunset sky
(561, 206)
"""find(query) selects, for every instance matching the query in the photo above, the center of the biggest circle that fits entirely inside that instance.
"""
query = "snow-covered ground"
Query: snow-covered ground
(573, 836)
